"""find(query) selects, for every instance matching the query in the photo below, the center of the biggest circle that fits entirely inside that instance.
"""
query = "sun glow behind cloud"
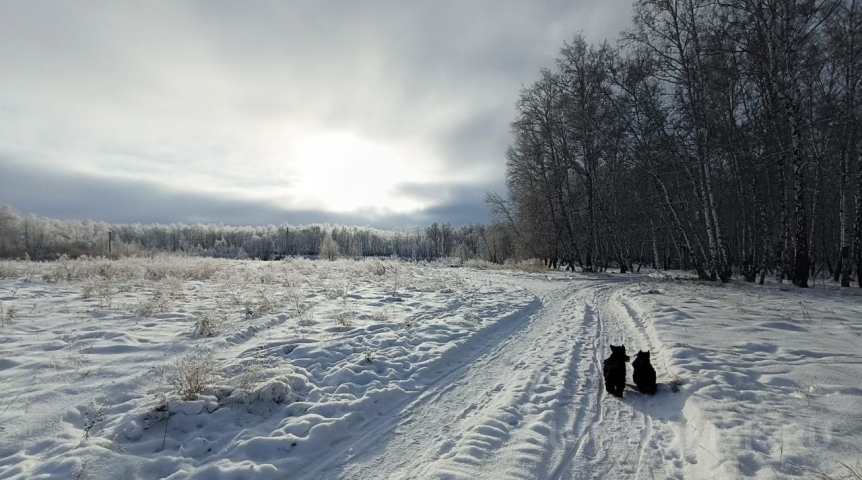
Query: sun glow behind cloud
(344, 172)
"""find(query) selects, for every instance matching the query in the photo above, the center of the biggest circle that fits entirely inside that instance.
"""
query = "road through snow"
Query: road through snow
(374, 370)
(528, 404)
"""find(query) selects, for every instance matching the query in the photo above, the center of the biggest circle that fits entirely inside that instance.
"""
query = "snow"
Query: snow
(383, 369)
(772, 373)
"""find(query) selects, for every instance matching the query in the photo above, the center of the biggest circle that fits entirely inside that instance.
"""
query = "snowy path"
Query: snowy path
(527, 405)
(414, 371)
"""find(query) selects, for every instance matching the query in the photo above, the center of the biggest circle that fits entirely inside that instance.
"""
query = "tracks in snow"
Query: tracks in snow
(528, 404)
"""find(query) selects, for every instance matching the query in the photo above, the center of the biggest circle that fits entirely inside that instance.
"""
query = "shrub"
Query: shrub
(194, 373)
(173, 287)
(209, 324)
(302, 308)
(249, 377)
(345, 318)
(376, 267)
(532, 265)
(336, 290)
(160, 303)
(8, 270)
(7, 315)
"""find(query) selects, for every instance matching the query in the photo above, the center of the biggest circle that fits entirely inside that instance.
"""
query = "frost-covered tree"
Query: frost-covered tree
(10, 230)
(49, 238)
(328, 248)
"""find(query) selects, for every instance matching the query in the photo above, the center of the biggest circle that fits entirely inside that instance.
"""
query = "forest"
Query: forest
(41, 238)
(720, 137)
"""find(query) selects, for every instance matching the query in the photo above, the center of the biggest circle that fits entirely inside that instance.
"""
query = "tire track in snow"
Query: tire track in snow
(406, 411)
(646, 432)
(533, 452)
(587, 431)
(468, 421)
(657, 456)
(530, 404)
(563, 340)
(484, 425)
(622, 439)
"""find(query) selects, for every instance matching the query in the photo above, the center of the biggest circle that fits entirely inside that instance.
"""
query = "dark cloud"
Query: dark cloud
(481, 138)
(456, 213)
(473, 192)
(457, 203)
(69, 195)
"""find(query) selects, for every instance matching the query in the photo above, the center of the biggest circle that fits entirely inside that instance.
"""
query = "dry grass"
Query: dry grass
(7, 314)
(847, 472)
(194, 373)
(345, 318)
(209, 324)
(159, 303)
(156, 267)
(9, 269)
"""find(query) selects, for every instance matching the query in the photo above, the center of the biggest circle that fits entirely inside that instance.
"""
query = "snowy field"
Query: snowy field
(211, 369)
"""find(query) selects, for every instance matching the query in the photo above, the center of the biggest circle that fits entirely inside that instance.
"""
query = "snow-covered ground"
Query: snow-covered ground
(380, 369)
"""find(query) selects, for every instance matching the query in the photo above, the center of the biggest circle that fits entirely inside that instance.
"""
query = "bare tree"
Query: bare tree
(714, 134)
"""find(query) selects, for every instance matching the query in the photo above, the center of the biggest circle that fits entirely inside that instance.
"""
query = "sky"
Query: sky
(382, 113)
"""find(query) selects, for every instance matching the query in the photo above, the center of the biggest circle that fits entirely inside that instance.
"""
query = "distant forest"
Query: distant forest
(40, 238)
(720, 137)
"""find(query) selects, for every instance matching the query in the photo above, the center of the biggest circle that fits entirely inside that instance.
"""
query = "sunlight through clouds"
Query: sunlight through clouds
(344, 172)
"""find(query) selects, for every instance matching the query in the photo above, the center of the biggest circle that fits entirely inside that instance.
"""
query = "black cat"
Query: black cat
(644, 374)
(615, 371)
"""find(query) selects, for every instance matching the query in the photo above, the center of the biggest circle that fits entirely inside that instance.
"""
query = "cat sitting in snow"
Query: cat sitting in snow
(644, 374)
(615, 370)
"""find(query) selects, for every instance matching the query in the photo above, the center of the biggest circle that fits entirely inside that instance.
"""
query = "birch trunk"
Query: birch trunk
(857, 228)
(841, 271)
(801, 261)
(655, 257)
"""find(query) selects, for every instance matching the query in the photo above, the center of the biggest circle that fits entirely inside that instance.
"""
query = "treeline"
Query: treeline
(722, 137)
(44, 238)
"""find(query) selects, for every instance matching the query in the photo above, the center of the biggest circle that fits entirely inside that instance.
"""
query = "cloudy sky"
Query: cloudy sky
(388, 113)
